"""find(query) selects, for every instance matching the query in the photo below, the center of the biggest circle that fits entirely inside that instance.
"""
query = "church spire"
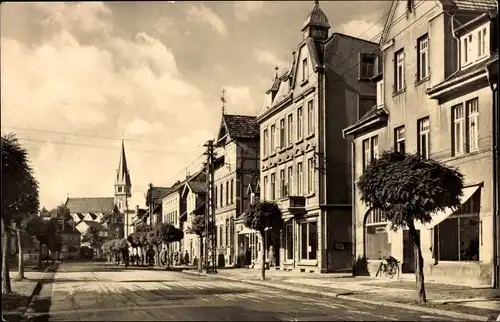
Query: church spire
(122, 174)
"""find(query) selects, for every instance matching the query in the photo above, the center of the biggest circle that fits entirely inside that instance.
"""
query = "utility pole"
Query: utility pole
(150, 202)
(210, 243)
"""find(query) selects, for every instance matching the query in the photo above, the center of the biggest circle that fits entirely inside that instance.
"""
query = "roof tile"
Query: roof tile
(242, 126)
(90, 205)
(475, 5)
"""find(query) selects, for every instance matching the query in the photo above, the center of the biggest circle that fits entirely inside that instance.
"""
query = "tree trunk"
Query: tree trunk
(20, 270)
(200, 267)
(6, 287)
(168, 256)
(419, 271)
(40, 255)
(157, 255)
(263, 257)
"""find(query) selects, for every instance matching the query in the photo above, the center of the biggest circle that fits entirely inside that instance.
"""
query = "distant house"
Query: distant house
(70, 242)
(154, 203)
(89, 209)
(83, 225)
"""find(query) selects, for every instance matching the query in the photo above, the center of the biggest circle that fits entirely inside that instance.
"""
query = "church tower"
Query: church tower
(123, 185)
(316, 24)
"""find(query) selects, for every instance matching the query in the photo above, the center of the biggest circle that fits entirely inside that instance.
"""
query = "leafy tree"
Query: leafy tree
(92, 238)
(198, 227)
(113, 220)
(141, 227)
(61, 212)
(132, 240)
(143, 242)
(19, 198)
(168, 234)
(261, 216)
(408, 188)
(155, 240)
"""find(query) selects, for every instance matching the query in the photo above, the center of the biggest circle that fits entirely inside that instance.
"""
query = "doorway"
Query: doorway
(409, 254)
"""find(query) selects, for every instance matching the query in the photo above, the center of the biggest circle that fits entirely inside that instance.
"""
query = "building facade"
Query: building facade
(194, 192)
(173, 206)
(305, 163)
(236, 163)
(433, 99)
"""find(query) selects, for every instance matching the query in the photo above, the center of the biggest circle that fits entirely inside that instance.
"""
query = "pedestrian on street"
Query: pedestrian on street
(186, 258)
(271, 256)
(248, 257)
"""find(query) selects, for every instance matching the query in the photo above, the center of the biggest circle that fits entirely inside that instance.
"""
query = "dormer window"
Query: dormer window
(474, 45)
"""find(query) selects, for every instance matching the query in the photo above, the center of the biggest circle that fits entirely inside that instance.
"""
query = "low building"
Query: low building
(70, 242)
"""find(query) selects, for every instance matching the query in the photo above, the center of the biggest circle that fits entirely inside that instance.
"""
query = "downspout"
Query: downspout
(459, 51)
(324, 165)
(353, 206)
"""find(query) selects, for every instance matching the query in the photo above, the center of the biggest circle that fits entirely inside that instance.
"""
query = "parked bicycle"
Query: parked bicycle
(389, 266)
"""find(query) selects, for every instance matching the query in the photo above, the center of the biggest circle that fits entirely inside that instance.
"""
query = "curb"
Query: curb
(345, 295)
(37, 289)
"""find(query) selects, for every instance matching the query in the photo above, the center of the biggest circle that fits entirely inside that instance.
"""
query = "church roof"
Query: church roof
(241, 126)
(90, 205)
(123, 174)
(317, 18)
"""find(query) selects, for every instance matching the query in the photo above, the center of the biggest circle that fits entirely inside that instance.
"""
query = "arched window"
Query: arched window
(376, 235)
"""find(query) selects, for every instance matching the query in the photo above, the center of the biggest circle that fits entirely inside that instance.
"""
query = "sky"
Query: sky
(77, 77)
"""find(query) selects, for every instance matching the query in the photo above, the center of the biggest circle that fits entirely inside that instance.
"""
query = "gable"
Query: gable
(399, 17)
(222, 131)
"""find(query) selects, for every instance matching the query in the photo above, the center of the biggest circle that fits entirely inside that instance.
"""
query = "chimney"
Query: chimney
(188, 175)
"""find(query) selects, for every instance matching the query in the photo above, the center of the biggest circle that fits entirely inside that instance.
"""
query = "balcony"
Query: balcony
(294, 204)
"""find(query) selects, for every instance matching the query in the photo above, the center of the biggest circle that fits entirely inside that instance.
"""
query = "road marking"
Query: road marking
(331, 306)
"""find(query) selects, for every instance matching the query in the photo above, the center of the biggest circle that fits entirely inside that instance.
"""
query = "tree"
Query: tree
(61, 212)
(198, 228)
(168, 234)
(91, 237)
(408, 188)
(19, 198)
(113, 220)
(154, 238)
(262, 216)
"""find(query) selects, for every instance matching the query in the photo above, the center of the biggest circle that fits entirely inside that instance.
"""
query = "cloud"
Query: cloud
(239, 99)
(270, 58)
(362, 29)
(243, 10)
(204, 14)
(84, 78)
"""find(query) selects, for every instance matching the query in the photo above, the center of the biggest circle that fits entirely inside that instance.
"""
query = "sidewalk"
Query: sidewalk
(462, 299)
(14, 305)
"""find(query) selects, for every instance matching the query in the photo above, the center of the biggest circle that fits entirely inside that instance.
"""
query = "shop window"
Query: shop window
(458, 236)
(376, 236)
(289, 241)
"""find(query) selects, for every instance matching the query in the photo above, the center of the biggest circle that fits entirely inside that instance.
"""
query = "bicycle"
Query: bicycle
(388, 265)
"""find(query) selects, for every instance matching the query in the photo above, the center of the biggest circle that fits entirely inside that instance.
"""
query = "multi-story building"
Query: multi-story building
(434, 99)
(236, 163)
(174, 209)
(305, 163)
(194, 193)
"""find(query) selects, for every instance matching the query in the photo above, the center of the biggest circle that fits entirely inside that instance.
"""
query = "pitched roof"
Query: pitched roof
(90, 205)
(373, 113)
(158, 193)
(241, 126)
(95, 225)
(472, 5)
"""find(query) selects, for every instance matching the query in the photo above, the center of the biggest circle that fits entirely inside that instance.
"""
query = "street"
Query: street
(98, 291)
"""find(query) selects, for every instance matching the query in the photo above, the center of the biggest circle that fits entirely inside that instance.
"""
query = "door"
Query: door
(409, 254)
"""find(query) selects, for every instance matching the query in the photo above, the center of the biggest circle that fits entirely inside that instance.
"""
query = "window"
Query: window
(227, 232)
(376, 236)
(466, 49)
(300, 183)
(457, 237)
(366, 66)
(310, 117)
(310, 175)
(423, 57)
(120, 189)
(399, 77)
(374, 148)
(366, 153)
(290, 181)
(289, 241)
(265, 188)
(265, 142)
(308, 240)
(282, 133)
(423, 137)
(290, 129)
(221, 195)
(232, 190)
(273, 186)
(458, 134)
(282, 183)
(481, 42)
(227, 193)
(305, 70)
(399, 137)
(215, 199)
(300, 125)
(273, 139)
(221, 235)
(473, 123)
(380, 93)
